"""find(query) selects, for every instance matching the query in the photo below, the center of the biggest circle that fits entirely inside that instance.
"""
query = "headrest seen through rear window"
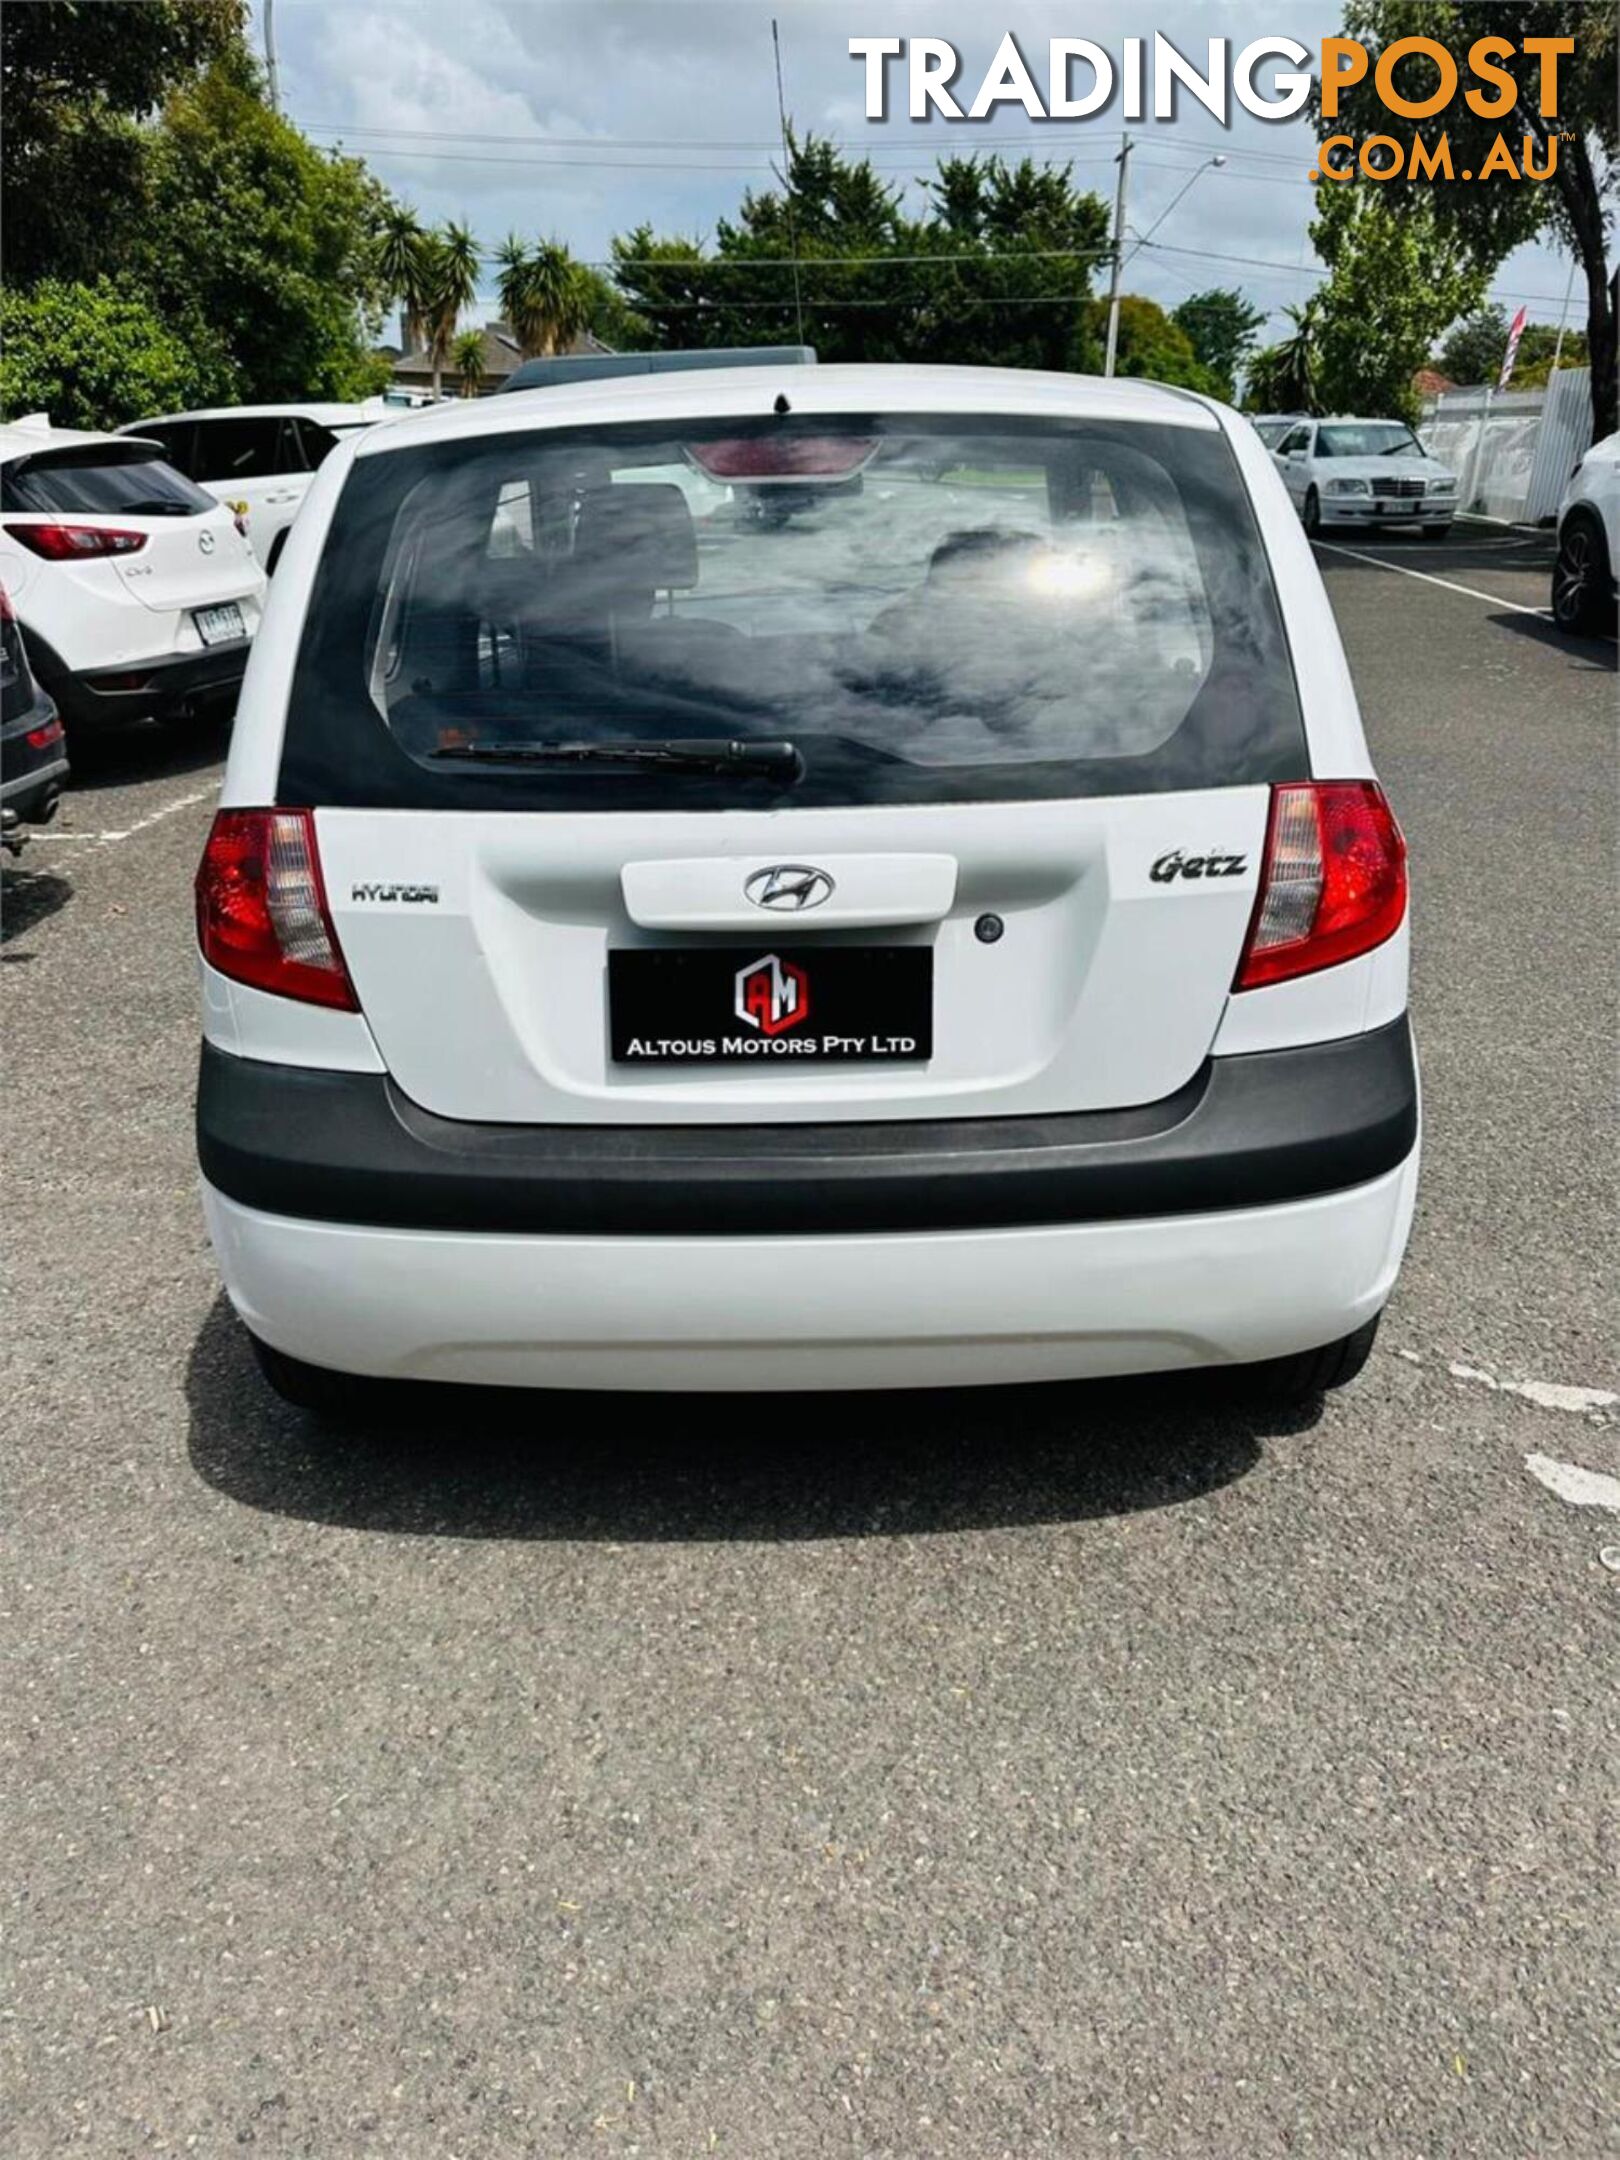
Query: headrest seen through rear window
(644, 529)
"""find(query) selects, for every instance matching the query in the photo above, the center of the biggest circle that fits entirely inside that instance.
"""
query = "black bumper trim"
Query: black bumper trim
(1251, 1131)
(91, 695)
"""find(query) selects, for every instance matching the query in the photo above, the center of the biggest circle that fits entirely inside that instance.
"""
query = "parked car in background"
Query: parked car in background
(137, 592)
(1272, 427)
(33, 749)
(1346, 471)
(955, 937)
(1583, 579)
(259, 459)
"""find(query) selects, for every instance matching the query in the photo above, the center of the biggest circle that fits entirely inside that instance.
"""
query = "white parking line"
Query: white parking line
(1428, 577)
(128, 832)
(1581, 1488)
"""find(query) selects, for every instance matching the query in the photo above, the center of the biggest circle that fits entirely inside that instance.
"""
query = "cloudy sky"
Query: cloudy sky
(580, 118)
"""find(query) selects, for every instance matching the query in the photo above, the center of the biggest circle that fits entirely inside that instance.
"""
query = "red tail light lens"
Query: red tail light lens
(41, 738)
(77, 543)
(261, 908)
(1333, 884)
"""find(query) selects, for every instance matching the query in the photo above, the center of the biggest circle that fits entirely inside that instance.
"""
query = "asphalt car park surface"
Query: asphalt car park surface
(1062, 1771)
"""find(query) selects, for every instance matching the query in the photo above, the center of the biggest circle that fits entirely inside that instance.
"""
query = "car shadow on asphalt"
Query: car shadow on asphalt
(27, 898)
(125, 756)
(1595, 655)
(475, 1463)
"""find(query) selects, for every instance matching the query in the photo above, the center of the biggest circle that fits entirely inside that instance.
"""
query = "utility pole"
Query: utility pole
(1123, 161)
(787, 181)
(270, 55)
(1563, 315)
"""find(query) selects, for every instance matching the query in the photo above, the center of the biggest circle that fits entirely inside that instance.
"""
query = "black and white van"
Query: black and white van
(945, 931)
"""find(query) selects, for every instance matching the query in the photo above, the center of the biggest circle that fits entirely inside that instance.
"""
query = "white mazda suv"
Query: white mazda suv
(137, 593)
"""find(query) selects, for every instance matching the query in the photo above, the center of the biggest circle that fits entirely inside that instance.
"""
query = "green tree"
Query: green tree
(261, 240)
(1490, 217)
(1397, 276)
(1471, 351)
(1283, 378)
(1536, 349)
(544, 296)
(73, 178)
(609, 316)
(1152, 344)
(95, 356)
(402, 268)
(449, 288)
(1223, 328)
(467, 356)
(995, 268)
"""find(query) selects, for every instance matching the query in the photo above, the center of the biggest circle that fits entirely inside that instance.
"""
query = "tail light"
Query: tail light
(41, 738)
(77, 543)
(1333, 884)
(262, 917)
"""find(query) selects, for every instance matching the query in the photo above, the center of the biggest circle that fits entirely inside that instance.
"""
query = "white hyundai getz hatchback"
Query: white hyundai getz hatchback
(804, 878)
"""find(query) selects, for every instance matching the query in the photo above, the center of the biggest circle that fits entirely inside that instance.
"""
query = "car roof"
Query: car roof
(34, 432)
(739, 393)
(328, 412)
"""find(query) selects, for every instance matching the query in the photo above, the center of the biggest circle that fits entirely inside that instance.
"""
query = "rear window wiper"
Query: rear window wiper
(771, 760)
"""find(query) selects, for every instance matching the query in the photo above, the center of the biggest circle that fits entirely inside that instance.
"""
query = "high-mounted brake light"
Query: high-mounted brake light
(77, 543)
(1333, 883)
(763, 458)
(262, 917)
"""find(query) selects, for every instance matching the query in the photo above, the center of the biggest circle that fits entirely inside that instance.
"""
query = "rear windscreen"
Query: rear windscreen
(928, 610)
(101, 480)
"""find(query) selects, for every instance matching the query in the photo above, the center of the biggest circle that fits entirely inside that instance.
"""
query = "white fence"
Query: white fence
(1513, 453)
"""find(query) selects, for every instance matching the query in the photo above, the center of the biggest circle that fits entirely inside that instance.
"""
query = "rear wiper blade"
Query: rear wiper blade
(772, 760)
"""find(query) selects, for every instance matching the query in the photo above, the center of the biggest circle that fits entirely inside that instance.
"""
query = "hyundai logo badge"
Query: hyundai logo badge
(789, 888)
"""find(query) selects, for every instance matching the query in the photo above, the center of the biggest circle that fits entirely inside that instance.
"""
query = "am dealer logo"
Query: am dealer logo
(773, 995)
(1151, 76)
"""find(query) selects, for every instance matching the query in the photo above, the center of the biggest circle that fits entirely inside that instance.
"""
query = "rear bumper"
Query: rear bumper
(1255, 1131)
(947, 1309)
(107, 697)
(1262, 1210)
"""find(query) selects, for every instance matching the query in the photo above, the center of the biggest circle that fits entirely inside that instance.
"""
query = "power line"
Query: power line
(1319, 270)
(389, 143)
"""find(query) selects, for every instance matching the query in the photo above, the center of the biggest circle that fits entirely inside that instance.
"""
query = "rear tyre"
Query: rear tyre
(1310, 1372)
(1581, 579)
(1313, 513)
(312, 1387)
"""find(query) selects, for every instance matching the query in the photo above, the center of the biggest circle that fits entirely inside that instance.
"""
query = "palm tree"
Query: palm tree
(452, 286)
(543, 295)
(512, 284)
(556, 296)
(1283, 377)
(468, 354)
(401, 260)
